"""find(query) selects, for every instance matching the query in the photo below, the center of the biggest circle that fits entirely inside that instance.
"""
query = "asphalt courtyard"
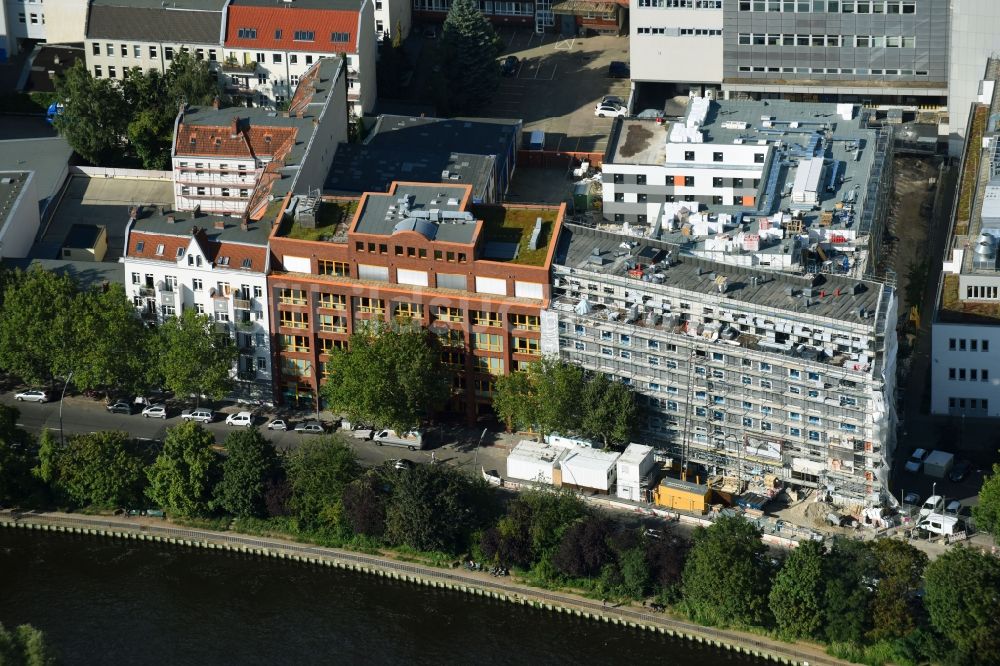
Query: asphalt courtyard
(557, 85)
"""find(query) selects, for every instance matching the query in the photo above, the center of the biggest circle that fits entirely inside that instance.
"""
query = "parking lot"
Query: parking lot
(557, 84)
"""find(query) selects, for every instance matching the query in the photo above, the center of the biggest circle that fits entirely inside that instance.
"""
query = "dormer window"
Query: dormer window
(180, 252)
(222, 261)
(159, 250)
(277, 33)
(218, 141)
(305, 36)
(247, 263)
(267, 138)
(139, 246)
(339, 36)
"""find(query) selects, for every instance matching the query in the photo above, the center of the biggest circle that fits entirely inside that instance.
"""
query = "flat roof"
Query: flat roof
(578, 246)
(88, 274)
(635, 453)
(531, 451)
(638, 141)
(584, 457)
(84, 236)
(153, 220)
(384, 214)
(687, 486)
(408, 148)
(11, 184)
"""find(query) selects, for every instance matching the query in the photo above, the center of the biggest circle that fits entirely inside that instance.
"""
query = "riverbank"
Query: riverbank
(475, 583)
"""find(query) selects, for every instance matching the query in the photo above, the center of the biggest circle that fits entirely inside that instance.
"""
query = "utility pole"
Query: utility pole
(65, 384)
(475, 461)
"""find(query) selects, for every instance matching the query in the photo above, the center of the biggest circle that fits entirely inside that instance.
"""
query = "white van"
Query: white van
(412, 440)
(938, 523)
(934, 504)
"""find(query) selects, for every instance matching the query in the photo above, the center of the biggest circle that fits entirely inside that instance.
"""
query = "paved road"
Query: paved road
(83, 415)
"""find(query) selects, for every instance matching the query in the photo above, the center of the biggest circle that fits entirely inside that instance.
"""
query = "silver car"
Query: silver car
(33, 395)
(155, 412)
(200, 415)
(310, 427)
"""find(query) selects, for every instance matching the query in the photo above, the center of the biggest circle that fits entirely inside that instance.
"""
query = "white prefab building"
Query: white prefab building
(534, 461)
(584, 467)
(216, 265)
(634, 467)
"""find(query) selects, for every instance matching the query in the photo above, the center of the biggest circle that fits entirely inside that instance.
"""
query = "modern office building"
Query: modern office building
(770, 184)
(481, 152)
(269, 46)
(966, 327)
(216, 265)
(478, 276)
(236, 161)
(122, 34)
(761, 376)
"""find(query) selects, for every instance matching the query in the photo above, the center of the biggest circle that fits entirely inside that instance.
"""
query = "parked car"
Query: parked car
(155, 412)
(911, 498)
(200, 415)
(277, 424)
(937, 523)
(32, 395)
(402, 464)
(509, 65)
(357, 430)
(649, 114)
(933, 504)
(613, 100)
(960, 470)
(120, 407)
(916, 460)
(619, 70)
(610, 111)
(954, 508)
(244, 419)
(412, 440)
(310, 427)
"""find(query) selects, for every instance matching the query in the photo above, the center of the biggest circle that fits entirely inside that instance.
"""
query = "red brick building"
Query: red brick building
(478, 276)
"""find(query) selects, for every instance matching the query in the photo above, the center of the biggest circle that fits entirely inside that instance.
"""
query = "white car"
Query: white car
(240, 419)
(32, 395)
(277, 424)
(610, 111)
(200, 415)
(916, 461)
(933, 504)
(155, 412)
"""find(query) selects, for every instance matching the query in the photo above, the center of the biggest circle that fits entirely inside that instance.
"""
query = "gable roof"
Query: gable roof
(270, 22)
(248, 140)
(155, 24)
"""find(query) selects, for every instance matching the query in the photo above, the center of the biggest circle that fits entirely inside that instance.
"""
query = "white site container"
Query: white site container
(633, 465)
(533, 461)
(584, 467)
(938, 464)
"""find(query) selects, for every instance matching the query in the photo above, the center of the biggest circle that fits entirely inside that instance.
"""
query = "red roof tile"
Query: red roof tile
(215, 141)
(267, 21)
(235, 254)
(144, 245)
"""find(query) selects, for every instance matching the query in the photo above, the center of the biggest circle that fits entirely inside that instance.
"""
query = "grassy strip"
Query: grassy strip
(970, 170)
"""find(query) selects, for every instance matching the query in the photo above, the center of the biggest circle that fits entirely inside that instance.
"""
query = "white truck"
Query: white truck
(411, 440)
(941, 524)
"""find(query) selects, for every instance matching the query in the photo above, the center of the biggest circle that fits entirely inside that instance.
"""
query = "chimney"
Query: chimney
(134, 212)
(170, 219)
(235, 127)
(216, 103)
(220, 224)
(194, 230)
(244, 226)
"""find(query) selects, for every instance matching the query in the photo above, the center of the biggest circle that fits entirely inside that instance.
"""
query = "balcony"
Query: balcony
(233, 66)
(146, 291)
(241, 303)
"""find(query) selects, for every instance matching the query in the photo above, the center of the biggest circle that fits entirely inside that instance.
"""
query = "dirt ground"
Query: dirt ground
(913, 197)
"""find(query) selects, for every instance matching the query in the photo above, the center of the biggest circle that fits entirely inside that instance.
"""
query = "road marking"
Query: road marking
(511, 40)
(564, 44)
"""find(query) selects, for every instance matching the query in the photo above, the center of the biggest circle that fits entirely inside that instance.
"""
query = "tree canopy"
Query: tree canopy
(104, 469)
(15, 458)
(192, 358)
(961, 591)
(111, 341)
(182, 477)
(390, 376)
(895, 604)
(850, 569)
(609, 411)
(987, 511)
(25, 646)
(249, 465)
(94, 116)
(726, 575)
(470, 53)
(318, 472)
(796, 598)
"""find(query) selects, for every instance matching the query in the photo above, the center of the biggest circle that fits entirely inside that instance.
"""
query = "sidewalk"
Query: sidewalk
(503, 589)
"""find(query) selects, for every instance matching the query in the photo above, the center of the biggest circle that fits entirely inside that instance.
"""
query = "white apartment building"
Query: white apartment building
(749, 183)
(965, 370)
(235, 161)
(268, 47)
(216, 265)
(122, 34)
(679, 41)
(55, 22)
(393, 17)
(757, 375)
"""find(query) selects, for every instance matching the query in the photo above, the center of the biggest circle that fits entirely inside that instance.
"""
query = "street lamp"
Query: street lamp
(475, 462)
(65, 384)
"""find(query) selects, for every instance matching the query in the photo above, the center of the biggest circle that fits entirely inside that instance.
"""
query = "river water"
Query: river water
(105, 601)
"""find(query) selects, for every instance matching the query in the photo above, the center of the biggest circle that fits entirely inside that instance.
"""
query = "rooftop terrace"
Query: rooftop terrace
(507, 227)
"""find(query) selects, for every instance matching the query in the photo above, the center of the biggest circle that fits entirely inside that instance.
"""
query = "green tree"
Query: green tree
(584, 550)
(192, 358)
(318, 471)
(149, 133)
(515, 401)
(49, 451)
(94, 117)
(609, 411)
(470, 53)
(635, 571)
(36, 326)
(987, 511)
(249, 464)
(389, 376)
(103, 469)
(182, 477)
(796, 598)
(850, 571)
(15, 458)
(189, 80)
(726, 575)
(895, 605)
(558, 387)
(110, 341)
(364, 506)
(435, 508)
(961, 591)
(25, 646)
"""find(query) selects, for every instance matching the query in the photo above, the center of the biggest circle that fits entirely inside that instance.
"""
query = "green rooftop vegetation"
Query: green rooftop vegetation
(970, 170)
(514, 225)
(331, 215)
(954, 310)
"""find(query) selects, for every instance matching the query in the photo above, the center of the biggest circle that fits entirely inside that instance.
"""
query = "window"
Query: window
(524, 322)
(305, 36)
(339, 36)
(985, 346)
(95, 46)
(689, 156)
(109, 49)
(196, 284)
(487, 342)
(296, 367)
(168, 53)
(338, 268)
(814, 436)
(406, 310)
(276, 58)
(291, 296)
(111, 72)
(290, 319)
(97, 71)
(951, 344)
(527, 346)
(331, 301)
(247, 33)
(332, 323)
(369, 305)
(309, 60)
(211, 55)
(295, 343)
(794, 374)
(152, 51)
(765, 367)
(491, 319)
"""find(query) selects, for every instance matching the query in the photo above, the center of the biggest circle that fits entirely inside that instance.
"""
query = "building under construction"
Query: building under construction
(758, 375)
